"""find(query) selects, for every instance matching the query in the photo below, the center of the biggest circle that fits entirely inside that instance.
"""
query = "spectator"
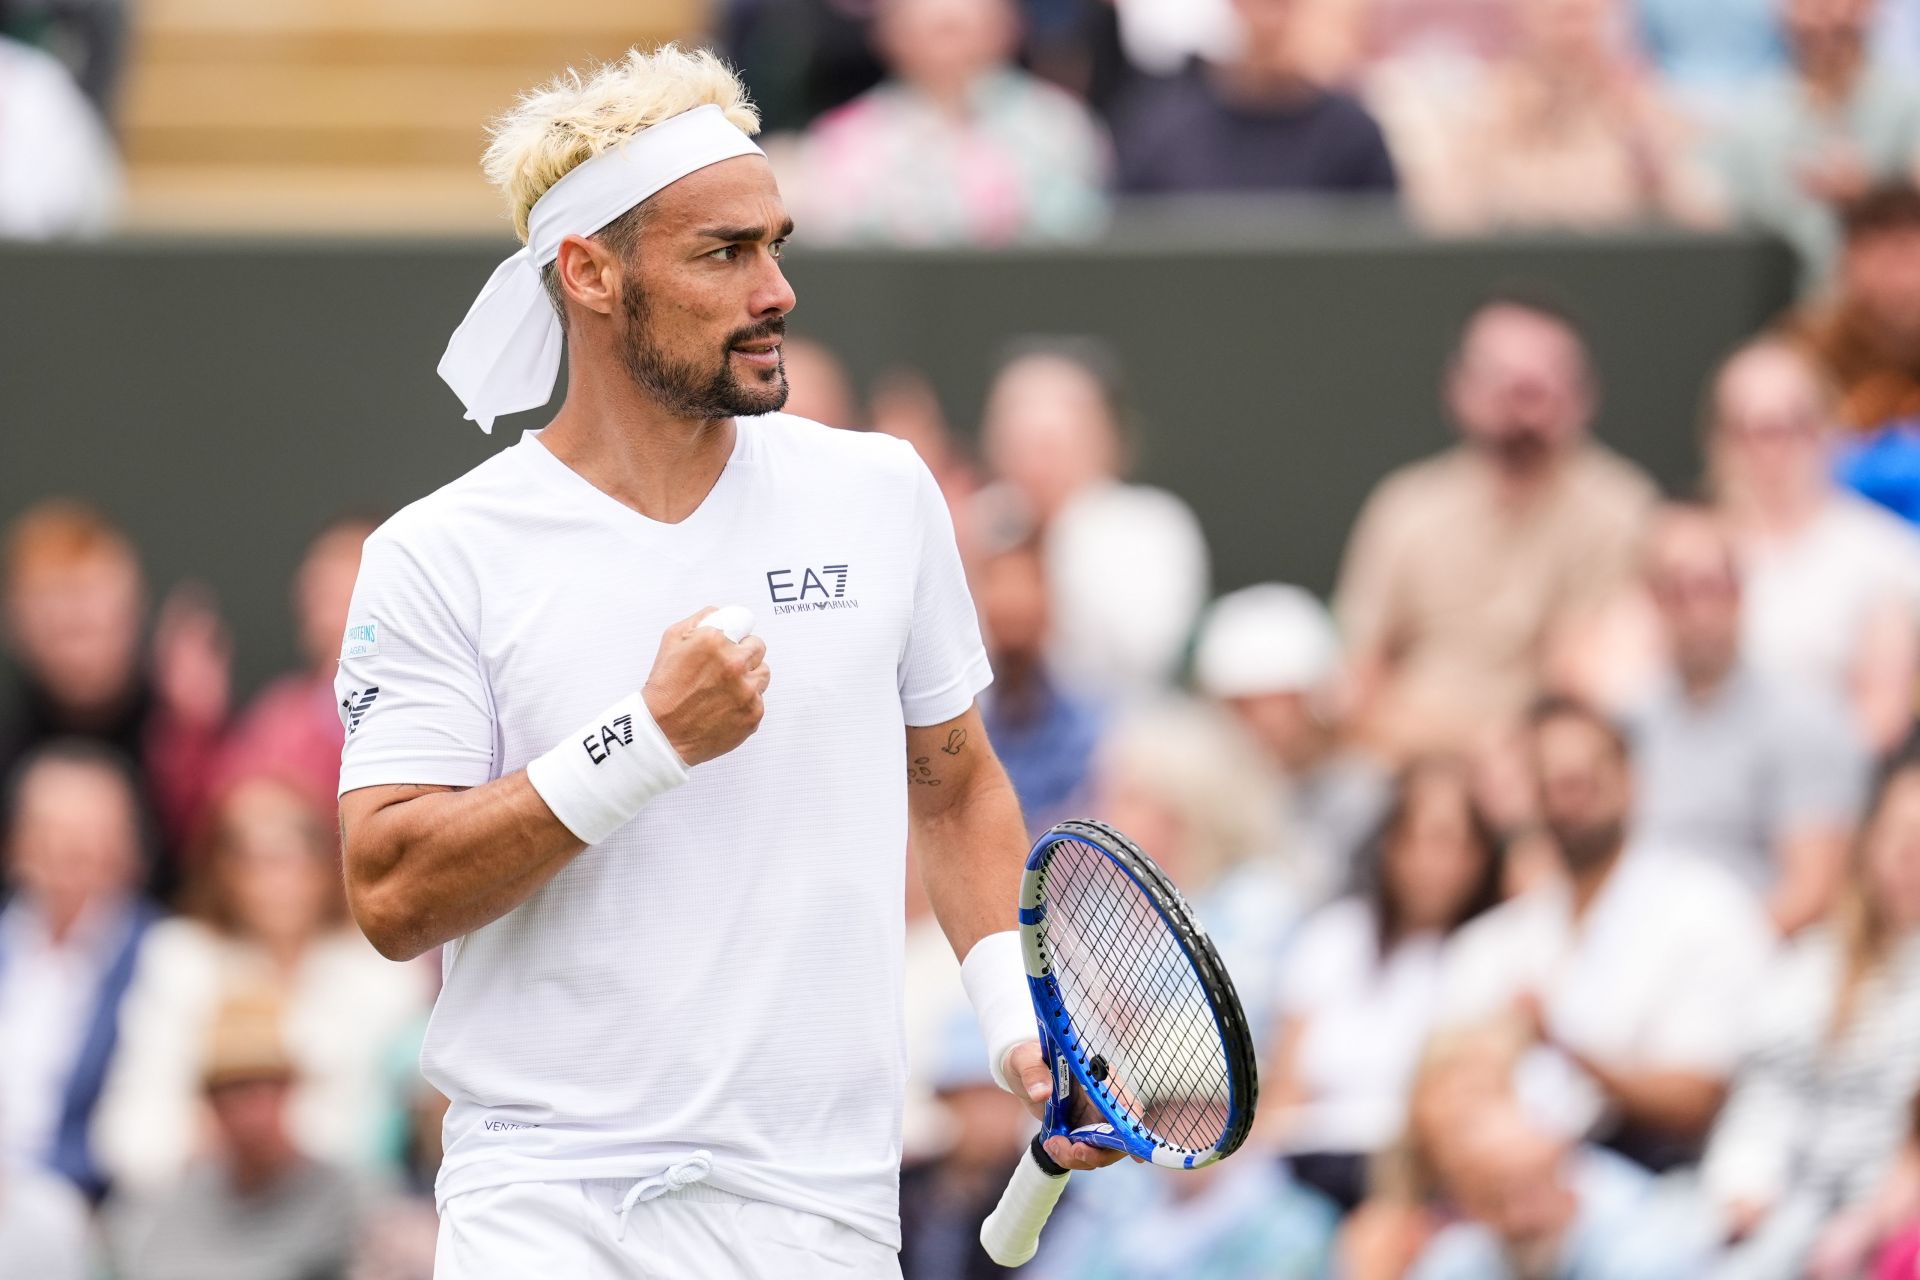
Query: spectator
(944, 1200)
(1237, 1220)
(269, 913)
(69, 937)
(1467, 571)
(1824, 136)
(256, 1208)
(1814, 1120)
(1868, 335)
(1044, 735)
(957, 146)
(1461, 1072)
(1257, 122)
(800, 57)
(1567, 132)
(817, 383)
(1888, 1226)
(293, 730)
(88, 36)
(1712, 55)
(1762, 776)
(1536, 1206)
(1127, 563)
(44, 1233)
(1270, 654)
(1632, 973)
(1359, 982)
(58, 172)
(1832, 583)
(1182, 780)
(74, 598)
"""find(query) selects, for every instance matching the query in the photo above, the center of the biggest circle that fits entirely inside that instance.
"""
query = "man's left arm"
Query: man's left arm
(966, 827)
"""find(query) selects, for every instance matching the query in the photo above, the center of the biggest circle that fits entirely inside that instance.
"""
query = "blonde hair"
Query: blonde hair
(573, 117)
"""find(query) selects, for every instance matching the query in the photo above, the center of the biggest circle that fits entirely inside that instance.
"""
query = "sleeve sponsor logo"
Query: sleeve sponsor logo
(362, 641)
(354, 707)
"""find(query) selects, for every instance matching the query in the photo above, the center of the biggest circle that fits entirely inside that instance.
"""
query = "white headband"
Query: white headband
(505, 355)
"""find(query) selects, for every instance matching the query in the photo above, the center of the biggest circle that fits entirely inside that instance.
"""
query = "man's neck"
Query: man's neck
(1520, 486)
(1702, 683)
(625, 444)
(1588, 881)
(1830, 77)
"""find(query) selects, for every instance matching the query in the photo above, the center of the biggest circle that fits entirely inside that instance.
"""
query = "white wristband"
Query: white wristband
(603, 773)
(995, 976)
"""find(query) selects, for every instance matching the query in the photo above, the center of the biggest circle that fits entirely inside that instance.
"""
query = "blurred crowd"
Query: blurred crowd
(1567, 860)
(924, 122)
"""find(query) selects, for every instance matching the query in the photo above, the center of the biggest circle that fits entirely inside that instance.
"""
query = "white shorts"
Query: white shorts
(575, 1231)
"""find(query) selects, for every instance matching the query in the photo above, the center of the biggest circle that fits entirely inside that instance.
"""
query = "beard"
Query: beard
(1518, 448)
(1584, 845)
(689, 389)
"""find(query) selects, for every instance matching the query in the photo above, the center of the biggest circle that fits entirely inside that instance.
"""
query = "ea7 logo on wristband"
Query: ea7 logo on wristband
(618, 734)
(806, 589)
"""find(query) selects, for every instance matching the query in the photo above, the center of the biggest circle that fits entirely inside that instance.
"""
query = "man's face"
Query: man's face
(75, 838)
(322, 592)
(1691, 577)
(251, 1116)
(703, 299)
(1584, 790)
(1012, 595)
(76, 628)
(1049, 431)
(1819, 28)
(1880, 274)
(1519, 387)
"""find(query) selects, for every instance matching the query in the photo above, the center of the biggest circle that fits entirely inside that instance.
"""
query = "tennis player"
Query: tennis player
(668, 886)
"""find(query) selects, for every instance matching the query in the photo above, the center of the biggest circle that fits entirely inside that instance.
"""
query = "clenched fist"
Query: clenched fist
(704, 690)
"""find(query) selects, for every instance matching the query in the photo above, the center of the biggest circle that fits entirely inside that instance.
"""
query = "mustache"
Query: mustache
(774, 328)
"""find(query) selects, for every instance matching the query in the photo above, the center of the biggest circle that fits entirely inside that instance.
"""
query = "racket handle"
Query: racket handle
(1011, 1233)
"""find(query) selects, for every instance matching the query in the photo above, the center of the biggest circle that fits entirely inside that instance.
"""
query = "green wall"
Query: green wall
(224, 399)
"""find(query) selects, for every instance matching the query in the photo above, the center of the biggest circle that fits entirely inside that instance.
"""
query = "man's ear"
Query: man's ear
(589, 274)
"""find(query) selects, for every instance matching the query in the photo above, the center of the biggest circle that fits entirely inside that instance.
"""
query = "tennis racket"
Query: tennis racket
(1137, 1016)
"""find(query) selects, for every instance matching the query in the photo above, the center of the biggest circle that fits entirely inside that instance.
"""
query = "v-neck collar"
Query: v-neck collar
(549, 468)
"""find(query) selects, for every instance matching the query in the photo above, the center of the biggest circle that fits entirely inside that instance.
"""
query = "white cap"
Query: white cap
(1269, 638)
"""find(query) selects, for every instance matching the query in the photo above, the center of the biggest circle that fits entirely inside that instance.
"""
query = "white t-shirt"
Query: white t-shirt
(724, 972)
(1806, 601)
(1365, 1019)
(1658, 976)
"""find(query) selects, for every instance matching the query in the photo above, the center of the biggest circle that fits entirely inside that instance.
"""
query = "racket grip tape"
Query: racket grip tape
(1011, 1233)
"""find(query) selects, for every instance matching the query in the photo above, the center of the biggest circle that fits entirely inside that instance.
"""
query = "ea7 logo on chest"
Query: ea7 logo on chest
(808, 589)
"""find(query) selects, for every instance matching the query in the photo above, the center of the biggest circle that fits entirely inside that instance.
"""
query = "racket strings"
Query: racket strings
(1139, 1011)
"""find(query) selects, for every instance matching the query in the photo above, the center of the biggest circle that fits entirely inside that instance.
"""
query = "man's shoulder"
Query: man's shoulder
(438, 516)
(1606, 479)
(1674, 894)
(785, 440)
(1418, 486)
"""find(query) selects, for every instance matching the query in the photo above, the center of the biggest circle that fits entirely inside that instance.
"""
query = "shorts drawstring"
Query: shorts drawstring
(681, 1173)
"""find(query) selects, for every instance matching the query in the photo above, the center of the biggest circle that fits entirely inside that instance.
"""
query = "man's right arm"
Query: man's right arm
(427, 864)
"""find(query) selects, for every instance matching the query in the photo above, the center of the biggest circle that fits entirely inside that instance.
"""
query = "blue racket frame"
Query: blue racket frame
(1059, 1042)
